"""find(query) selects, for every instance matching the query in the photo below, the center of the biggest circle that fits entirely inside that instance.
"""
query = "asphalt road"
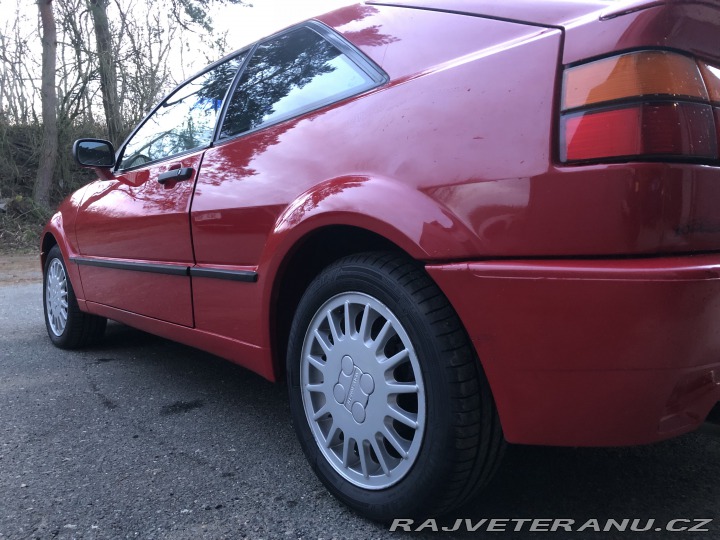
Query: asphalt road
(144, 438)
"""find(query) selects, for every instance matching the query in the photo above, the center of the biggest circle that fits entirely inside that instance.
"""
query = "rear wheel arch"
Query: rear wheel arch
(308, 257)
(349, 215)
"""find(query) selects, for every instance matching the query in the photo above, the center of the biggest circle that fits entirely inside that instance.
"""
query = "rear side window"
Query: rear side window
(185, 120)
(288, 75)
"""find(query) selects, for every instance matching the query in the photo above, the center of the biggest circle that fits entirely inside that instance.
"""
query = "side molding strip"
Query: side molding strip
(247, 276)
(232, 275)
(137, 267)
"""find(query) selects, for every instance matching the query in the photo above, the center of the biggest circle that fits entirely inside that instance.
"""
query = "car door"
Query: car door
(133, 230)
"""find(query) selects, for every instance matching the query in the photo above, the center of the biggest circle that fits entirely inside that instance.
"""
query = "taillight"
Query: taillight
(711, 75)
(644, 105)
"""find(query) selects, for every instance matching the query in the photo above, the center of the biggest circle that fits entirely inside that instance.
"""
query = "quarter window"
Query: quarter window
(185, 120)
(293, 73)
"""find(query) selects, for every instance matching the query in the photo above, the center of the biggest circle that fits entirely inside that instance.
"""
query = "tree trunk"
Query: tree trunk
(108, 79)
(49, 148)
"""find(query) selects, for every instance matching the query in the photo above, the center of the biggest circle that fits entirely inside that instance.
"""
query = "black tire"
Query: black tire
(462, 441)
(78, 329)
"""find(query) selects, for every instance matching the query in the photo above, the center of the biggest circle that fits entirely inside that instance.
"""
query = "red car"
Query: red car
(446, 224)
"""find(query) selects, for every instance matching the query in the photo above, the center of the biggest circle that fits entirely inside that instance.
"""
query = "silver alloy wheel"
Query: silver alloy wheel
(56, 297)
(362, 390)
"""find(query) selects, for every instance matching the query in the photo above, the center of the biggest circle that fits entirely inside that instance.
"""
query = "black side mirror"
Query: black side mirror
(94, 153)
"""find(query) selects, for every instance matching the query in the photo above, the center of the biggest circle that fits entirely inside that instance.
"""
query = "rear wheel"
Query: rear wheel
(387, 396)
(67, 326)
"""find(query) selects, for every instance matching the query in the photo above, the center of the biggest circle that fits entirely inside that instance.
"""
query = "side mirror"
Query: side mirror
(95, 153)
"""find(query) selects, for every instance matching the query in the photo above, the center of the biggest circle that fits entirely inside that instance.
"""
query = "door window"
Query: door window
(185, 120)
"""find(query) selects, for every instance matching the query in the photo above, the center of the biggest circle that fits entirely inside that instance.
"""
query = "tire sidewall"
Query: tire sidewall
(62, 339)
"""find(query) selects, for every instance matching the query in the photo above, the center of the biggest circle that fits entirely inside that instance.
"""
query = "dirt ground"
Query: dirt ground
(18, 269)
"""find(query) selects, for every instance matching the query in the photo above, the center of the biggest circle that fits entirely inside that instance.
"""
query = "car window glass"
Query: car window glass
(185, 120)
(291, 73)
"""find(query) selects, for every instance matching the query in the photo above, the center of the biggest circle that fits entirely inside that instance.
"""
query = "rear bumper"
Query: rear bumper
(594, 353)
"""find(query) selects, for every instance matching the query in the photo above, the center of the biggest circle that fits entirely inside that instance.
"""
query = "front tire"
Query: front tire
(67, 326)
(387, 396)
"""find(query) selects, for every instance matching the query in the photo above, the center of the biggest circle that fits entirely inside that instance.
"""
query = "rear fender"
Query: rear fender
(408, 218)
(403, 215)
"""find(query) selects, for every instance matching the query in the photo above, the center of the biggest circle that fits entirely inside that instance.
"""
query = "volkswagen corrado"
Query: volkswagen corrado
(446, 224)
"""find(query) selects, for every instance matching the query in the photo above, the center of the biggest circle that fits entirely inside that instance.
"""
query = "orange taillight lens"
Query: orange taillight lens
(644, 73)
(640, 105)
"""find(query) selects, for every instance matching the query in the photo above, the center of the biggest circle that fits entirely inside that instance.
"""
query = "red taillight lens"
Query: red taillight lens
(644, 105)
(650, 130)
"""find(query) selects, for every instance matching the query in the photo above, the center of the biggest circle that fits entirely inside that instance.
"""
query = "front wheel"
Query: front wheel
(67, 326)
(387, 396)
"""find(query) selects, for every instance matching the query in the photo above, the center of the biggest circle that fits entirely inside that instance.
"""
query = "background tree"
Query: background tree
(18, 89)
(48, 152)
(106, 68)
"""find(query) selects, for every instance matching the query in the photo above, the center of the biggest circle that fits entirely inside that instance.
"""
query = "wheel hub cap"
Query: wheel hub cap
(353, 389)
(362, 390)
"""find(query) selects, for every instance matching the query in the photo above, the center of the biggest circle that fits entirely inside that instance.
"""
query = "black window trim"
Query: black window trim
(231, 90)
(376, 74)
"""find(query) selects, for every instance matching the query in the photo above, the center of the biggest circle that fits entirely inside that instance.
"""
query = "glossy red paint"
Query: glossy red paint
(608, 352)
(597, 28)
(581, 286)
(558, 13)
(135, 218)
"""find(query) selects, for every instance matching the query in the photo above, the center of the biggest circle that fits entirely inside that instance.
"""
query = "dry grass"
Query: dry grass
(21, 225)
(22, 222)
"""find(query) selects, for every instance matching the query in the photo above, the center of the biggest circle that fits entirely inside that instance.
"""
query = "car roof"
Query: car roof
(555, 13)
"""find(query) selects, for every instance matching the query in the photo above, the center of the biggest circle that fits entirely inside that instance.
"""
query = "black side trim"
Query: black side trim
(135, 266)
(248, 276)
(232, 275)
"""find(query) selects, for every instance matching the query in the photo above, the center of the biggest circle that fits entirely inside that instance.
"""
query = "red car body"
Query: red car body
(590, 291)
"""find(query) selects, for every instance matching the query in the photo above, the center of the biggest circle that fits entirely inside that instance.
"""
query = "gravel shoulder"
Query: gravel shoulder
(17, 269)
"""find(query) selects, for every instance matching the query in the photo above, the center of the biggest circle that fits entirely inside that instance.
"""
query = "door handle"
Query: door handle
(175, 175)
